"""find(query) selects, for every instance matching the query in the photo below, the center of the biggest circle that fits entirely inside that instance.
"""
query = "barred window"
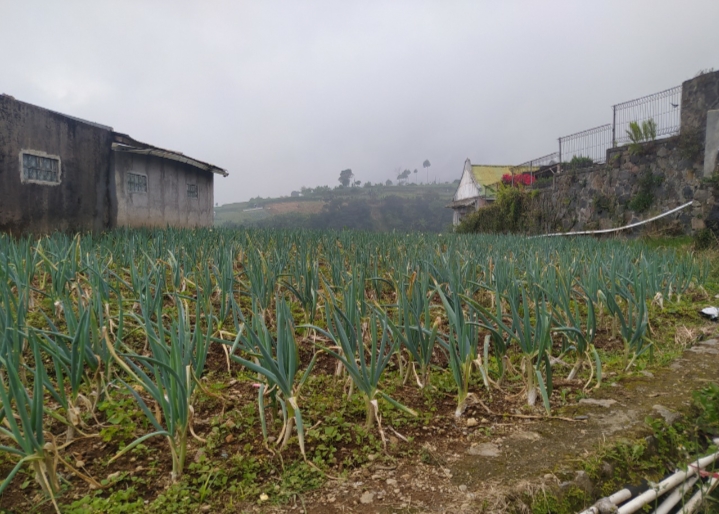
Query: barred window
(40, 169)
(136, 183)
(192, 191)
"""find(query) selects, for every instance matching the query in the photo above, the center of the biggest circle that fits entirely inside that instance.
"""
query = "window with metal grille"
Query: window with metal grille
(40, 169)
(192, 191)
(136, 183)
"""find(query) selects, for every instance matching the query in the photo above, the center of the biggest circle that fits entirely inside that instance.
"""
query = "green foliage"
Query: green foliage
(639, 134)
(168, 296)
(511, 212)
(345, 177)
(649, 129)
(426, 213)
(644, 198)
(579, 162)
(691, 144)
(707, 402)
(122, 501)
(120, 414)
(604, 203)
(705, 239)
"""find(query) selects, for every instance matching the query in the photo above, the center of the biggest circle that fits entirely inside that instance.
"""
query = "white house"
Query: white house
(477, 187)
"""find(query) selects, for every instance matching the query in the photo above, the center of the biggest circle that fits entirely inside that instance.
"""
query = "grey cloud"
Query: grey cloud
(285, 94)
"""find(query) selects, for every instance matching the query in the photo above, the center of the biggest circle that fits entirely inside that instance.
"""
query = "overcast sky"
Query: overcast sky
(287, 94)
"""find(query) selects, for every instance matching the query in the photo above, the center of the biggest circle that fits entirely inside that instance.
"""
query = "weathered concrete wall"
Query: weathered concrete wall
(711, 144)
(466, 188)
(166, 201)
(83, 198)
(605, 196)
(699, 95)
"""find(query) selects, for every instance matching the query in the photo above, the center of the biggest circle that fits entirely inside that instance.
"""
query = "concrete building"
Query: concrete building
(477, 187)
(58, 172)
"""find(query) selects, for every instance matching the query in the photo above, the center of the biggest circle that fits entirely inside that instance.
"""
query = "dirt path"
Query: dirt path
(474, 468)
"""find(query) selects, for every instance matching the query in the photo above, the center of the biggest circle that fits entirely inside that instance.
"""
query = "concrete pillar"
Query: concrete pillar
(711, 145)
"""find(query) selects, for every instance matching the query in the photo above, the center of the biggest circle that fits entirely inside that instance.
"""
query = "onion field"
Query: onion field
(249, 366)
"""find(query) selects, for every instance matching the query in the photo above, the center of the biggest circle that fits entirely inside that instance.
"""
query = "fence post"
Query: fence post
(614, 126)
(559, 166)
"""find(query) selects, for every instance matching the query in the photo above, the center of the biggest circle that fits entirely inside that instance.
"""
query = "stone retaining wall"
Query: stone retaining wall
(655, 178)
(632, 187)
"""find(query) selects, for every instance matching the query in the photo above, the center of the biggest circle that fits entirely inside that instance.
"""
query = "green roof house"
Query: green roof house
(477, 187)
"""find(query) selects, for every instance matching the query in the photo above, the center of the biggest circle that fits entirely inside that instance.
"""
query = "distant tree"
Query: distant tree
(403, 176)
(426, 164)
(295, 193)
(388, 183)
(346, 177)
(415, 175)
(357, 183)
(367, 184)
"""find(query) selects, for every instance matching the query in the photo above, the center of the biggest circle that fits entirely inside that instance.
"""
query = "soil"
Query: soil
(473, 464)
(296, 207)
(474, 469)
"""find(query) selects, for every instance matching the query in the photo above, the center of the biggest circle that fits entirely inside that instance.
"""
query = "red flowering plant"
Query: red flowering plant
(524, 179)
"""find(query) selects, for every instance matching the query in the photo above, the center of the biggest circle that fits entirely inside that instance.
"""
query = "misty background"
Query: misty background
(288, 94)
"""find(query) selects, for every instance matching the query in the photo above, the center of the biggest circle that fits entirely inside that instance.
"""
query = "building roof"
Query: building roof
(124, 143)
(74, 118)
(488, 174)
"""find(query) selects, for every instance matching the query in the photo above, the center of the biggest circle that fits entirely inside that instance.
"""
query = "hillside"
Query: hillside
(377, 208)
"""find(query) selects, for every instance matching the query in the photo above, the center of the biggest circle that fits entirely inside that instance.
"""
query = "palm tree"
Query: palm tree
(415, 175)
(426, 164)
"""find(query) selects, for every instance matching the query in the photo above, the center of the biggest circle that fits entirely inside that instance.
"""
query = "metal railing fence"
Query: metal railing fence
(588, 144)
(543, 163)
(589, 147)
(663, 107)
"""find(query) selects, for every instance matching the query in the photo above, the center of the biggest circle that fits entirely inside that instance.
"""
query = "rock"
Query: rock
(199, 454)
(604, 506)
(391, 482)
(701, 195)
(606, 470)
(463, 488)
(710, 342)
(581, 418)
(669, 416)
(583, 482)
(472, 422)
(367, 498)
(652, 446)
(698, 224)
(484, 450)
(619, 420)
(205, 508)
(565, 486)
(647, 373)
(600, 403)
(525, 435)
(704, 349)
